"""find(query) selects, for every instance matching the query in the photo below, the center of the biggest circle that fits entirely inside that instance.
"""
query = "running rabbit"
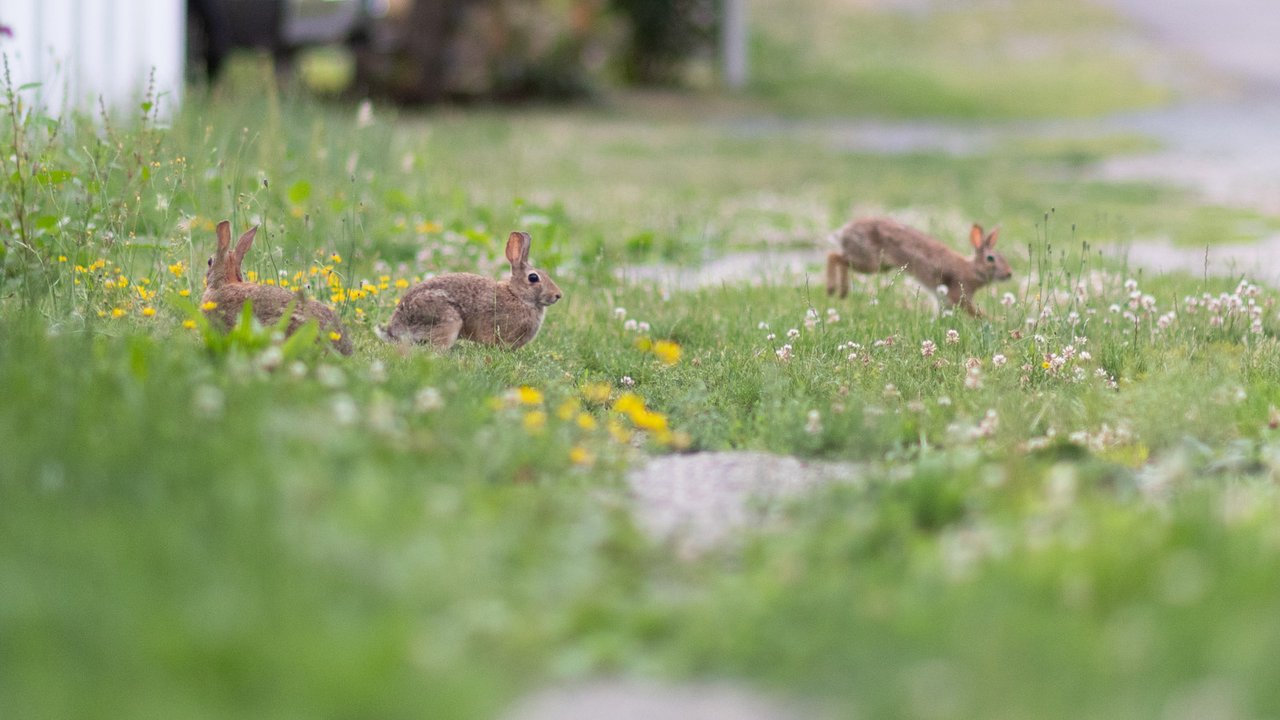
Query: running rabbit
(878, 244)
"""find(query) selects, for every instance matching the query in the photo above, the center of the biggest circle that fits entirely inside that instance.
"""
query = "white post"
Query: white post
(733, 41)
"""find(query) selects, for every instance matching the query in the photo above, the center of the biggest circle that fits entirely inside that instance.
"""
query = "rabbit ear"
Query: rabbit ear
(224, 238)
(991, 237)
(242, 247)
(975, 236)
(518, 248)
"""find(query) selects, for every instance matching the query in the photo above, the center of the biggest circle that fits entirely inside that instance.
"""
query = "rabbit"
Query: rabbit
(225, 286)
(877, 244)
(507, 313)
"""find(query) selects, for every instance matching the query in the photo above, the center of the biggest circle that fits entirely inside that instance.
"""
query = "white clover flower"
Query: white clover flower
(771, 336)
(427, 399)
(999, 360)
(620, 313)
(626, 381)
(630, 325)
(783, 353)
(643, 326)
(927, 348)
(953, 337)
(793, 333)
(1008, 300)
(762, 325)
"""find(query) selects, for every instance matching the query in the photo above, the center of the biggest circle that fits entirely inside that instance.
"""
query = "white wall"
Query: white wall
(80, 50)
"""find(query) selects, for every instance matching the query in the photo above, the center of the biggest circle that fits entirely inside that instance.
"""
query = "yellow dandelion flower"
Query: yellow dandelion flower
(81, 269)
(529, 395)
(110, 284)
(359, 312)
(586, 421)
(338, 297)
(210, 305)
(62, 258)
(178, 269)
(649, 420)
(189, 324)
(336, 259)
(184, 292)
(567, 409)
(667, 351)
(252, 276)
(428, 226)
(270, 281)
(629, 404)
(1045, 365)
(402, 284)
(618, 431)
(534, 422)
(118, 312)
(122, 281)
(596, 392)
(335, 336)
(284, 282)
(148, 311)
(579, 455)
(644, 343)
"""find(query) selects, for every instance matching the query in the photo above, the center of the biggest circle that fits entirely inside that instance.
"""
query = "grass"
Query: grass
(196, 526)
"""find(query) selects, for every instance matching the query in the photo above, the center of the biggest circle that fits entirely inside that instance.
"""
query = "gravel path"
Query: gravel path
(622, 700)
(699, 501)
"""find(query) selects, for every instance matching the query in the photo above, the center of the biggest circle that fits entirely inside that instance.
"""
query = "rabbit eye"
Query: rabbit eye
(210, 261)
(991, 258)
(533, 277)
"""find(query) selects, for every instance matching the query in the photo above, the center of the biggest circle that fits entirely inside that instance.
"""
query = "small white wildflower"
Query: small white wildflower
(927, 348)
(944, 400)
(1130, 285)
(784, 352)
(630, 325)
(345, 411)
(330, 376)
(953, 337)
(793, 333)
(642, 326)
(999, 360)
(1085, 356)
(626, 381)
(813, 424)
(428, 399)
(771, 336)
(620, 313)
(811, 313)
(942, 290)
(271, 358)
(853, 356)
(1008, 300)
(377, 371)
(762, 325)
(891, 390)
(208, 401)
(973, 379)
(364, 114)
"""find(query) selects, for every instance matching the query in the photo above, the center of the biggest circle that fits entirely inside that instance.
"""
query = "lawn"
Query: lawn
(1065, 509)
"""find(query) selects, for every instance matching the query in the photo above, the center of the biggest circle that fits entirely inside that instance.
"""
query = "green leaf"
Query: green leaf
(46, 222)
(299, 192)
(52, 177)
(302, 339)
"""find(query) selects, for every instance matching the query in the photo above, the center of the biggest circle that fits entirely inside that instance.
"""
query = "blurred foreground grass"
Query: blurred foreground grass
(1068, 509)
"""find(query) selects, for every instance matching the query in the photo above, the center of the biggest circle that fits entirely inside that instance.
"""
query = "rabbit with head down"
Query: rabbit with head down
(879, 244)
(507, 313)
(226, 288)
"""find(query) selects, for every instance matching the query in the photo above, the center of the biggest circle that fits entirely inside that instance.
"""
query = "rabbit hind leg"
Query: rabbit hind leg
(837, 274)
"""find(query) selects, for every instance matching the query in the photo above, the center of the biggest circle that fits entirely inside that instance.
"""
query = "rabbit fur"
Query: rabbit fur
(225, 286)
(507, 313)
(880, 244)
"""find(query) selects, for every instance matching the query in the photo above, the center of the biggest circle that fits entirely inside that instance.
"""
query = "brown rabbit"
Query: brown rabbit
(472, 307)
(875, 245)
(225, 287)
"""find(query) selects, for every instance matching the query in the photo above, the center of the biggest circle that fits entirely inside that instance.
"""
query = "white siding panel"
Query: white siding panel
(83, 50)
